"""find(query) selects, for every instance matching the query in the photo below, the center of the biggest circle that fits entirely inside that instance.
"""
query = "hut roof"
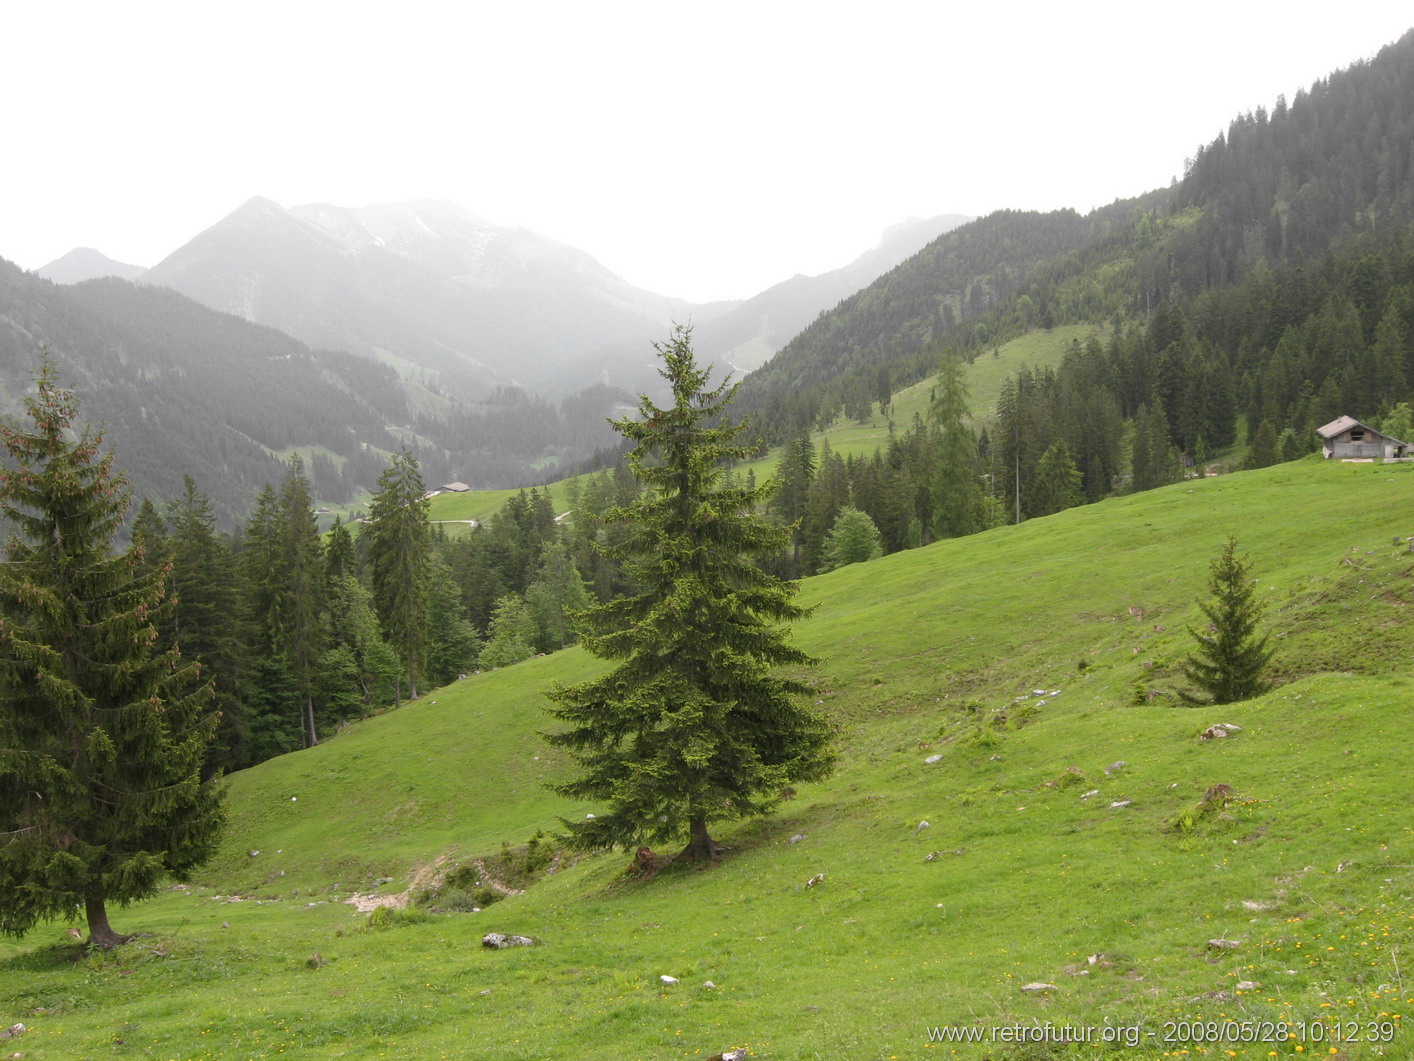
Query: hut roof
(1336, 427)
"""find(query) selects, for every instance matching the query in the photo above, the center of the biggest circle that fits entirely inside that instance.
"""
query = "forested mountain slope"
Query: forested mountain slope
(886, 336)
(1330, 173)
(184, 390)
(181, 390)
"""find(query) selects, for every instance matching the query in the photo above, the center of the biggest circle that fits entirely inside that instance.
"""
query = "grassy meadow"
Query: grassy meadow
(1061, 837)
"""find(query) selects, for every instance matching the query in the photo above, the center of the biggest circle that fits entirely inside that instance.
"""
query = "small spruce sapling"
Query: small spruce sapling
(1231, 661)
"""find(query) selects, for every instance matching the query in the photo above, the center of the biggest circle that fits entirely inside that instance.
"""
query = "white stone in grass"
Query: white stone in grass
(1248, 985)
(933, 759)
(707, 985)
(1038, 987)
(668, 979)
(921, 826)
(1092, 792)
(500, 941)
(1119, 804)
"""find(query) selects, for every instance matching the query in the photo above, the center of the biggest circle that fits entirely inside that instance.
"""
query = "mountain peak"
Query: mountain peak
(86, 263)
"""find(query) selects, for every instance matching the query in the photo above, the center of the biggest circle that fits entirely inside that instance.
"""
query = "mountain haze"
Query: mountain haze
(750, 334)
(429, 287)
(85, 263)
(181, 390)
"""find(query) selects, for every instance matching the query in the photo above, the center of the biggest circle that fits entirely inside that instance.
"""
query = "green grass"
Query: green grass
(923, 653)
(481, 505)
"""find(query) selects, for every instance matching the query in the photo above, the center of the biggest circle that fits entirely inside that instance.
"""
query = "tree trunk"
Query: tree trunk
(412, 683)
(701, 847)
(309, 715)
(100, 933)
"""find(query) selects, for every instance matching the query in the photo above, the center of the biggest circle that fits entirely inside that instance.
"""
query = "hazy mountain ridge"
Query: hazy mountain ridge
(86, 263)
(180, 390)
(747, 336)
(888, 334)
(426, 284)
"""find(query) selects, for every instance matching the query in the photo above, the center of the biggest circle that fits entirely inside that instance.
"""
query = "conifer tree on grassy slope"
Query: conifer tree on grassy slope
(692, 727)
(1231, 661)
(398, 546)
(957, 491)
(102, 736)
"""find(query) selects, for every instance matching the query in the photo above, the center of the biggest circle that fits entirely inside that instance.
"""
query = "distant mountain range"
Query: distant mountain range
(447, 297)
(85, 263)
(464, 338)
(434, 290)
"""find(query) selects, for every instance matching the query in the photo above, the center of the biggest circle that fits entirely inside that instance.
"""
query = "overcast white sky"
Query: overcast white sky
(702, 151)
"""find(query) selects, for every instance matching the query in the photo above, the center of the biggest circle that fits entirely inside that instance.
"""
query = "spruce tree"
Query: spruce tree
(511, 635)
(692, 726)
(957, 491)
(1231, 661)
(452, 644)
(102, 735)
(207, 620)
(398, 544)
(302, 582)
(1056, 486)
(276, 725)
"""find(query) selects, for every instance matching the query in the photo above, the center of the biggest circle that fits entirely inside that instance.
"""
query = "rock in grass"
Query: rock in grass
(1219, 730)
(14, 1031)
(729, 1055)
(668, 979)
(1224, 944)
(1037, 987)
(932, 759)
(500, 941)
(1248, 985)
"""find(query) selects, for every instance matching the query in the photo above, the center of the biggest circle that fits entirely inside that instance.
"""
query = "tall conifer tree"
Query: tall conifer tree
(692, 727)
(957, 493)
(207, 617)
(398, 544)
(302, 575)
(102, 736)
